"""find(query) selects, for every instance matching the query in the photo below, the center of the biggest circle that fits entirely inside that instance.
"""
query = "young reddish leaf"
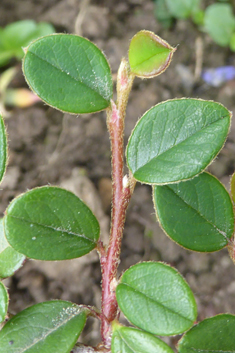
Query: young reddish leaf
(197, 213)
(46, 327)
(50, 223)
(154, 297)
(69, 73)
(149, 55)
(213, 335)
(132, 340)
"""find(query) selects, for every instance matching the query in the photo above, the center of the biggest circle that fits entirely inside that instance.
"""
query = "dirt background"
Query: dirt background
(49, 147)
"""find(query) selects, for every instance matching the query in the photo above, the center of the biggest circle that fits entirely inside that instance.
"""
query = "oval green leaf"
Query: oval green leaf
(50, 223)
(46, 327)
(131, 340)
(3, 302)
(69, 73)
(213, 335)
(10, 260)
(176, 140)
(219, 23)
(3, 148)
(19, 34)
(197, 214)
(149, 55)
(155, 297)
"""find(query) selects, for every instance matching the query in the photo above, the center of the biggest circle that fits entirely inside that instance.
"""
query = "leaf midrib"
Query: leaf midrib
(50, 331)
(156, 302)
(53, 228)
(201, 215)
(66, 75)
(176, 145)
(124, 340)
(152, 56)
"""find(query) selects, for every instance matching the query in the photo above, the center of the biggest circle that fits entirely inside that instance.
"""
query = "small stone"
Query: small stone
(225, 262)
(198, 262)
(96, 22)
(231, 288)
(134, 238)
(105, 191)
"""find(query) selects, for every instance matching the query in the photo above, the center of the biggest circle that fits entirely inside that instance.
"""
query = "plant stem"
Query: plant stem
(121, 196)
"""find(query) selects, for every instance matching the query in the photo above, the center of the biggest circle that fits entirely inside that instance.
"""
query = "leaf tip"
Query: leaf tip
(25, 49)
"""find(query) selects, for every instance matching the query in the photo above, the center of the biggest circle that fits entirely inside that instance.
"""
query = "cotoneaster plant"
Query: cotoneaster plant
(169, 148)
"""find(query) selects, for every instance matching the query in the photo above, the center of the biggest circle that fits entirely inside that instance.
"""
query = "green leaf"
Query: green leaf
(5, 56)
(131, 340)
(149, 55)
(232, 42)
(154, 297)
(182, 8)
(213, 335)
(219, 23)
(197, 214)
(198, 17)
(176, 140)
(3, 148)
(69, 73)
(10, 260)
(18, 34)
(162, 13)
(42, 29)
(3, 302)
(50, 223)
(46, 327)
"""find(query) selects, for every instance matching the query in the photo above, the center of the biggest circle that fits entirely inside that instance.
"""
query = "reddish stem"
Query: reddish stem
(120, 200)
(116, 127)
(109, 302)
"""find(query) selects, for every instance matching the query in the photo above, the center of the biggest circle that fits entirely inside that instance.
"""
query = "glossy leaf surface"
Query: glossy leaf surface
(219, 23)
(10, 259)
(215, 334)
(176, 140)
(3, 302)
(50, 223)
(197, 214)
(154, 297)
(3, 148)
(149, 55)
(69, 73)
(46, 327)
(131, 340)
